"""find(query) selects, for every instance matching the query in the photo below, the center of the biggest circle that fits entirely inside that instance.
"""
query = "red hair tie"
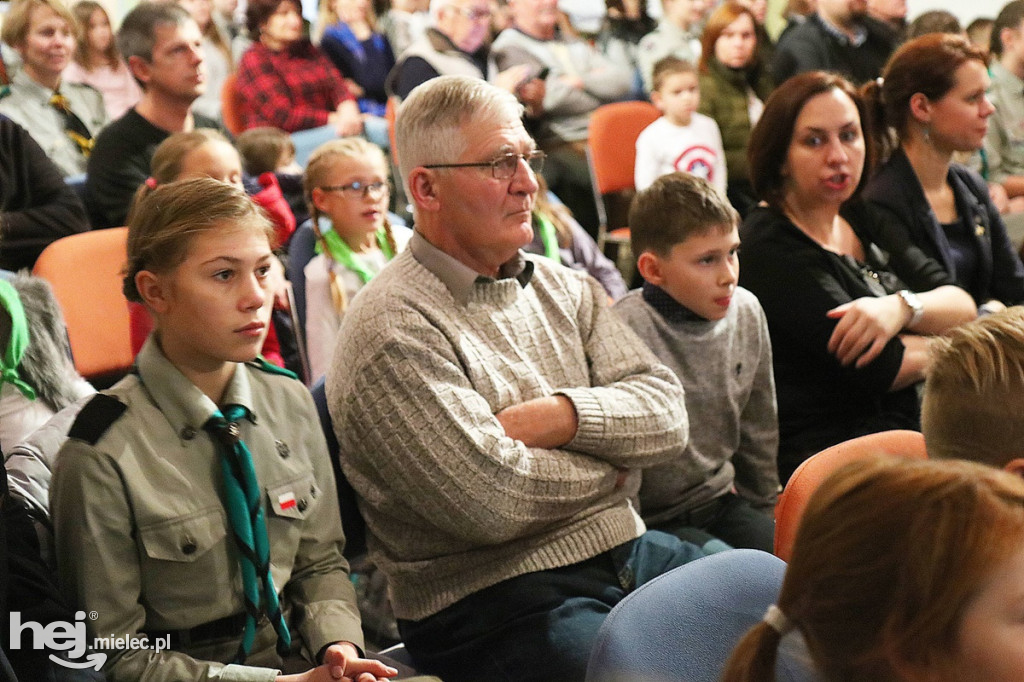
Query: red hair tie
(151, 182)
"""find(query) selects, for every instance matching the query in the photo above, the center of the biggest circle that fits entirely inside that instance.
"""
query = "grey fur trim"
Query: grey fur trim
(47, 365)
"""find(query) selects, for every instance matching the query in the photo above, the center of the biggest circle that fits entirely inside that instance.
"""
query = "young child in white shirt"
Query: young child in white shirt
(682, 139)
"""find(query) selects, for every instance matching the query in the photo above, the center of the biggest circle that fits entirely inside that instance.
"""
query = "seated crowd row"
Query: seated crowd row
(340, 83)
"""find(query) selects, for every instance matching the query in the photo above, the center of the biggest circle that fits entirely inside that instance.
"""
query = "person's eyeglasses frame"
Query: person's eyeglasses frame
(534, 160)
(361, 190)
(471, 13)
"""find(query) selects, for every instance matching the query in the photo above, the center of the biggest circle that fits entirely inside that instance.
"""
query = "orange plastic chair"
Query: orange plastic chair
(390, 115)
(611, 153)
(84, 271)
(809, 475)
(230, 106)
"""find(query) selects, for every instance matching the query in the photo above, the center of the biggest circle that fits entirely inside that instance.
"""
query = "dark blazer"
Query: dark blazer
(906, 215)
(822, 402)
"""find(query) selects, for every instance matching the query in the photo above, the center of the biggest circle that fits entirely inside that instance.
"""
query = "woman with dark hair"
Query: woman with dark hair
(286, 82)
(733, 86)
(933, 98)
(847, 330)
(902, 571)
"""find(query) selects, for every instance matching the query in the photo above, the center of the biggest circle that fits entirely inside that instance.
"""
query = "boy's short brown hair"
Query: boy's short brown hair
(972, 405)
(676, 207)
(669, 66)
(261, 149)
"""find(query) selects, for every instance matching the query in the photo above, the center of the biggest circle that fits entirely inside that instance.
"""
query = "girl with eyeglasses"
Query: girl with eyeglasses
(347, 191)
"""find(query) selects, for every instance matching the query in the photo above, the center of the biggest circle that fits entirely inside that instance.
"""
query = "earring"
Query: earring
(927, 132)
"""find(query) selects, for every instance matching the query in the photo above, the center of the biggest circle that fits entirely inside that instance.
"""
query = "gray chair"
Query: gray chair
(683, 625)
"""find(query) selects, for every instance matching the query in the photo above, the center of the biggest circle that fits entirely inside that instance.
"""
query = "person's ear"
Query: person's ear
(152, 289)
(140, 68)
(656, 99)
(921, 107)
(649, 267)
(319, 198)
(1015, 467)
(424, 189)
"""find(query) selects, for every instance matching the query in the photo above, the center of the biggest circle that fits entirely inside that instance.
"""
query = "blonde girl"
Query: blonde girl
(189, 505)
(347, 191)
(98, 63)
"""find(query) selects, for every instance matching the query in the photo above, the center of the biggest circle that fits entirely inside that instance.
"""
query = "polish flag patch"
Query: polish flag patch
(286, 500)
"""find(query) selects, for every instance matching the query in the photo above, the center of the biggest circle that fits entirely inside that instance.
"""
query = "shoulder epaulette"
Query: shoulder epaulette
(96, 417)
(270, 368)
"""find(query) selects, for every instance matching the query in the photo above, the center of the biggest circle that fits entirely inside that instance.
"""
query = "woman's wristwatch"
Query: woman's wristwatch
(912, 301)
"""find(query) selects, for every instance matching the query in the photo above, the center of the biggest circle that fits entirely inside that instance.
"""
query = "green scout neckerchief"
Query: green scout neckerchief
(342, 253)
(242, 504)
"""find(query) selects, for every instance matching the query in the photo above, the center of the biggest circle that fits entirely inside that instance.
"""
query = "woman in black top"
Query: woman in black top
(847, 330)
(933, 96)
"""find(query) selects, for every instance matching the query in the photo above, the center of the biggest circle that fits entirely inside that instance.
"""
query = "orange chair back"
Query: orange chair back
(612, 144)
(809, 475)
(390, 115)
(230, 106)
(84, 271)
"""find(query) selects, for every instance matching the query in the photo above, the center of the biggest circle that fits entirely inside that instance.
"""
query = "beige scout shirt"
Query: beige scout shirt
(143, 539)
(28, 105)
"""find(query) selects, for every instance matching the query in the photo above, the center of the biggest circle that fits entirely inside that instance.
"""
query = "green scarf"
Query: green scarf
(342, 253)
(15, 351)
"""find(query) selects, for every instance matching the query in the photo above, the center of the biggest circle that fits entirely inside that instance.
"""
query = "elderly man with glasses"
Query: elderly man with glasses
(494, 415)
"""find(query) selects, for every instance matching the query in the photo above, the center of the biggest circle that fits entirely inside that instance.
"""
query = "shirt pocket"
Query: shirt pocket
(175, 552)
(185, 539)
(290, 506)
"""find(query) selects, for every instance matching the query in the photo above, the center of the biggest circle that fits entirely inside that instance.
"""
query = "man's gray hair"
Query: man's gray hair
(430, 123)
(137, 34)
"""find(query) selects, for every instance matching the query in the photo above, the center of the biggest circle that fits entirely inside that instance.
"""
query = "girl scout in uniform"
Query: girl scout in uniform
(192, 502)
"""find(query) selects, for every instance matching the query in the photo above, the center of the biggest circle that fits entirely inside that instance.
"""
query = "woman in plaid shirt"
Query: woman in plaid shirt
(286, 82)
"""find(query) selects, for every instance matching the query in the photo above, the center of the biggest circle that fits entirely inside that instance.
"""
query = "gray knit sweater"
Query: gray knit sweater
(451, 503)
(726, 369)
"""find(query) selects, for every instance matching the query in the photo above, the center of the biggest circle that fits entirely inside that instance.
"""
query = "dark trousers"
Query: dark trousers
(539, 626)
(729, 519)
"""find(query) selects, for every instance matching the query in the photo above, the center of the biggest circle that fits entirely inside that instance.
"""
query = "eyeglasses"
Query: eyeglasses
(504, 167)
(471, 13)
(361, 190)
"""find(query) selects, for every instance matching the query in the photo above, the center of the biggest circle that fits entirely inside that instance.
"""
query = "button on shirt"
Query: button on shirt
(28, 104)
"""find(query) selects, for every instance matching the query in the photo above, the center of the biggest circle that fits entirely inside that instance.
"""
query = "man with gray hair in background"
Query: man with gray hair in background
(455, 45)
(494, 415)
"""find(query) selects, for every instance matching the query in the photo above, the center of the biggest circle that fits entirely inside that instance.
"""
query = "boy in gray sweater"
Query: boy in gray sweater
(713, 335)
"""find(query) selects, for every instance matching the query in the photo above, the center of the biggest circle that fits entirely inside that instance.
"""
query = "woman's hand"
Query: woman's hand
(347, 120)
(865, 326)
(342, 662)
(354, 88)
